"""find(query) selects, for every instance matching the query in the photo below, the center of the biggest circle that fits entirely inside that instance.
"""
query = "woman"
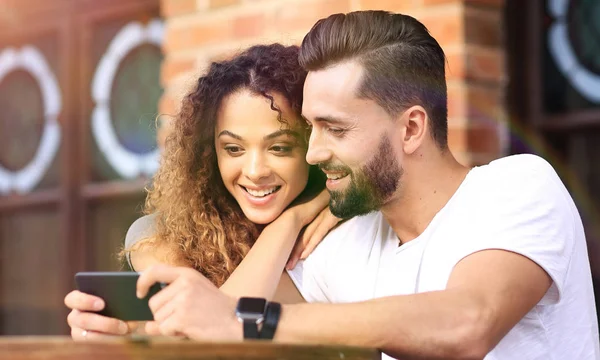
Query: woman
(224, 191)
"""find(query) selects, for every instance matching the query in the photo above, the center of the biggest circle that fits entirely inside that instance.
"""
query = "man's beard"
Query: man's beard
(370, 187)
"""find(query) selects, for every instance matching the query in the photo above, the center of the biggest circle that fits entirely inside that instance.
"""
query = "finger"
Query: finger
(165, 311)
(295, 255)
(94, 322)
(157, 273)
(319, 234)
(168, 327)
(315, 240)
(78, 335)
(84, 302)
(152, 328)
(164, 296)
(310, 229)
(296, 251)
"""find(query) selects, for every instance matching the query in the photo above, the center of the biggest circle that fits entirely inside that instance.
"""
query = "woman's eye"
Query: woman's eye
(234, 150)
(281, 149)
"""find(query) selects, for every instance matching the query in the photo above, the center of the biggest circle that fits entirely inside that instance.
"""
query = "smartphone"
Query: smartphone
(117, 289)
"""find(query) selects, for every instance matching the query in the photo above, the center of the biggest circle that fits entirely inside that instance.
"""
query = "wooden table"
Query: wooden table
(63, 348)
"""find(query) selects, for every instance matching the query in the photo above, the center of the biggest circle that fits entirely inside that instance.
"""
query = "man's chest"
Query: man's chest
(386, 271)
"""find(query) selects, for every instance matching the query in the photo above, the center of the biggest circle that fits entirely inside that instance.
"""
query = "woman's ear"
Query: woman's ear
(416, 124)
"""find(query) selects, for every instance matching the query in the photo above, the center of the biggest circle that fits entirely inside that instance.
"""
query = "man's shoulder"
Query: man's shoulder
(516, 166)
(519, 174)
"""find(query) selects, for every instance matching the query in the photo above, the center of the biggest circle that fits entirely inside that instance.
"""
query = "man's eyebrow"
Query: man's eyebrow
(326, 119)
(229, 133)
(279, 133)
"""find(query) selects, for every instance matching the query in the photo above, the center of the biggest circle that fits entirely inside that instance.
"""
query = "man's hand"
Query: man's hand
(189, 306)
(86, 325)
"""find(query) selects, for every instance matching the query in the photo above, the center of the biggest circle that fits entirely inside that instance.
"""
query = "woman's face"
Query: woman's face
(261, 160)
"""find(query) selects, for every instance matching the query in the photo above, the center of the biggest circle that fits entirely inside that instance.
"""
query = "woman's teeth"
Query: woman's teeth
(262, 193)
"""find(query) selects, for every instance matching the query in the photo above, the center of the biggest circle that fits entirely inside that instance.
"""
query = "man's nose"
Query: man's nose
(256, 168)
(318, 151)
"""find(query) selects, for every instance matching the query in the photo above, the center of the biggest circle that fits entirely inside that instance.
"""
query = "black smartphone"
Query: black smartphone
(117, 289)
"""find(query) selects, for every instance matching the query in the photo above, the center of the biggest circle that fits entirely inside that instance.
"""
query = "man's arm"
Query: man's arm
(487, 294)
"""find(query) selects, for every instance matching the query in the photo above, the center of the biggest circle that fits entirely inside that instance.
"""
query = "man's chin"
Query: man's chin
(344, 208)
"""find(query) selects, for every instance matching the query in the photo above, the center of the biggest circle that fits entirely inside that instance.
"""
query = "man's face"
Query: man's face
(352, 141)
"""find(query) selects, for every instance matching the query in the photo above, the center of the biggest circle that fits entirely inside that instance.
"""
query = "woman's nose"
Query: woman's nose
(256, 168)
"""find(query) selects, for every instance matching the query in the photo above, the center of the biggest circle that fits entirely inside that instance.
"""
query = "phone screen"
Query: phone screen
(117, 289)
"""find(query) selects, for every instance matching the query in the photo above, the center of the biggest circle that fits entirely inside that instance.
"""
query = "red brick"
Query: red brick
(455, 64)
(485, 104)
(484, 27)
(474, 140)
(437, 2)
(249, 26)
(483, 139)
(224, 55)
(490, 3)
(457, 139)
(301, 17)
(171, 68)
(457, 101)
(222, 3)
(170, 8)
(485, 65)
(404, 6)
(446, 28)
(167, 105)
(201, 33)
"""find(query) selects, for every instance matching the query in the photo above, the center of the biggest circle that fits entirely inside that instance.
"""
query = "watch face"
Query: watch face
(251, 306)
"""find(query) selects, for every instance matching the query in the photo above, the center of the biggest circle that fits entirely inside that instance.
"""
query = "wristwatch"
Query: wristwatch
(251, 312)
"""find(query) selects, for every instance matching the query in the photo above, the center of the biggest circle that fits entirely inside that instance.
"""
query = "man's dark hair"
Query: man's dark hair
(404, 65)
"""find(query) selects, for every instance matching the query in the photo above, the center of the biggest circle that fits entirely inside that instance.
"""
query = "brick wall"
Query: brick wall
(470, 31)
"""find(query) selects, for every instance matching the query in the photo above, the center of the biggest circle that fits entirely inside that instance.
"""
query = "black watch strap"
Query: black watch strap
(250, 329)
(271, 320)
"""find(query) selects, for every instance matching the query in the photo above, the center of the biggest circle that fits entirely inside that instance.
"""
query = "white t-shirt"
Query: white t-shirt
(518, 204)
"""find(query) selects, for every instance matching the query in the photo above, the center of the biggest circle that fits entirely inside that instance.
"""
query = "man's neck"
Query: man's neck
(427, 185)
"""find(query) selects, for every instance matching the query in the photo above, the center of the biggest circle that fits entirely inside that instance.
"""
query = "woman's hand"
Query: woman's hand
(312, 236)
(306, 208)
(86, 325)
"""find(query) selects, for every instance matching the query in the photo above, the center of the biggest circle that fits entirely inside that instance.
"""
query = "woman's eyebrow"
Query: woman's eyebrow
(229, 133)
(279, 133)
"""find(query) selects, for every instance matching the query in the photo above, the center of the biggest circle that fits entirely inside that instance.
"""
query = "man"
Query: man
(459, 263)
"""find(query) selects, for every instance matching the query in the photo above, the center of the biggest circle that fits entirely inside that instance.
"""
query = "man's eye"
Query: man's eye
(336, 131)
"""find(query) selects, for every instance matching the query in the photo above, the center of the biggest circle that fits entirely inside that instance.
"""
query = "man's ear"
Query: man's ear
(416, 124)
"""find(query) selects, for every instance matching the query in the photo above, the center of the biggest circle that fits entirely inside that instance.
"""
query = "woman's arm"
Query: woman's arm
(260, 273)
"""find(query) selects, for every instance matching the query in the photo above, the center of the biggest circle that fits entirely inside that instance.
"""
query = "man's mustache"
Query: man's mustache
(334, 167)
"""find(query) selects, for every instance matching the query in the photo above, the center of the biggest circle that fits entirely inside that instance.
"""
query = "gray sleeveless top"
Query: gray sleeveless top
(142, 228)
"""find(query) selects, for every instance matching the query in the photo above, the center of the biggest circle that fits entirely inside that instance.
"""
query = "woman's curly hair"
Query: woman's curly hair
(198, 222)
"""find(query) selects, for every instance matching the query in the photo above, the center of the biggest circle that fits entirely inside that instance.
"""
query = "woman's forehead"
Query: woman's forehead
(247, 110)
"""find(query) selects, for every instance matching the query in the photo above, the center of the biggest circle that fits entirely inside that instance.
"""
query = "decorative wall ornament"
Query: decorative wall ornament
(125, 162)
(31, 60)
(585, 81)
